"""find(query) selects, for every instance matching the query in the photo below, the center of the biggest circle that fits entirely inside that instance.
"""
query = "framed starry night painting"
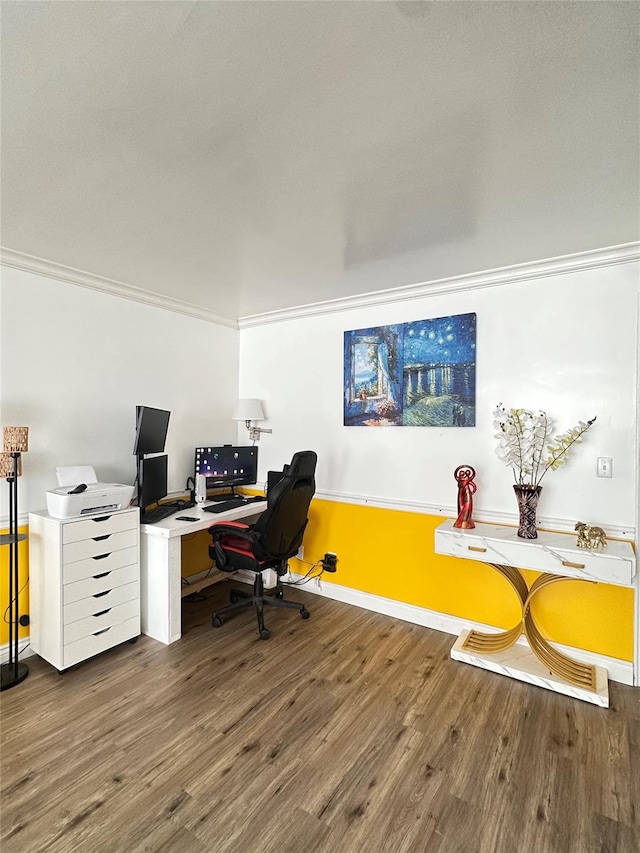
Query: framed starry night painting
(421, 373)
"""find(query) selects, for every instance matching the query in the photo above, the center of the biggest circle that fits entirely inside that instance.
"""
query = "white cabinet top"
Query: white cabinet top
(42, 513)
(553, 553)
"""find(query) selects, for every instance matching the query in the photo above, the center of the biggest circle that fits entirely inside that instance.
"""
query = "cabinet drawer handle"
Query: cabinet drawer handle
(100, 594)
(572, 565)
(101, 575)
(101, 518)
(102, 612)
(101, 556)
(473, 548)
(104, 631)
(101, 538)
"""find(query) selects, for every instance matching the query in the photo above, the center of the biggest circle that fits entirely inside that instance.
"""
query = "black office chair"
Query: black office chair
(269, 543)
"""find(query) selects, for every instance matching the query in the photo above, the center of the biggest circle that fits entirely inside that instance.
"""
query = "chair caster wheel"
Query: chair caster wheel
(305, 614)
(233, 597)
(280, 593)
(265, 634)
(216, 621)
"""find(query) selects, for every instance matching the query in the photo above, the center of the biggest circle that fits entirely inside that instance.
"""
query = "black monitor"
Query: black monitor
(151, 430)
(152, 485)
(227, 465)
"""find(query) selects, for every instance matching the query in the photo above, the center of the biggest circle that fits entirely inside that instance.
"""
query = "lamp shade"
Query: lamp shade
(248, 410)
(7, 462)
(15, 439)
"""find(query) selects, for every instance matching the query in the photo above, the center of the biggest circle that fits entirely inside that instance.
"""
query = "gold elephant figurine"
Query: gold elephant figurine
(590, 536)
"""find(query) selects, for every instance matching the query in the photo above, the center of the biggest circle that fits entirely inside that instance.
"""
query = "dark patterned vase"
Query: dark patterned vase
(527, 497)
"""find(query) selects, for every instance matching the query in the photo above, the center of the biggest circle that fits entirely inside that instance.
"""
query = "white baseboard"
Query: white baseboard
(618, 670)
(24, 650)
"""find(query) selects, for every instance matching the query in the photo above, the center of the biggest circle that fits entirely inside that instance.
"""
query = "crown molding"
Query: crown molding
(70, 275)
(594, 259)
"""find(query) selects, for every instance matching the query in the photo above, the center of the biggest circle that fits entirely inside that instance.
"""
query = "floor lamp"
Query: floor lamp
(15, 442)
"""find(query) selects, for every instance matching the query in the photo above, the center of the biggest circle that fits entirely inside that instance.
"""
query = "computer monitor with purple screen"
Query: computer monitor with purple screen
(227, 466)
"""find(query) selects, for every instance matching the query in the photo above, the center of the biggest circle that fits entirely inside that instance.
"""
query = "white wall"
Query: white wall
(564, 343)
(74, 365)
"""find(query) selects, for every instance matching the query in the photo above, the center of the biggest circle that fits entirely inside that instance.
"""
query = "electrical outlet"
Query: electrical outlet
(329, 562)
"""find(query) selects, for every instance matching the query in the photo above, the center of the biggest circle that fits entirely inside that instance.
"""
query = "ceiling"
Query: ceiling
(249, 157)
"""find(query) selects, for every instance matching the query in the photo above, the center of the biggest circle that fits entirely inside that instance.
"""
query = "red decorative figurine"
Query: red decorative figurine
(464, 474)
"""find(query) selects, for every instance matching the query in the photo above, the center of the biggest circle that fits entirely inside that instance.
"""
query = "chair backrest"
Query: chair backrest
(279, 530)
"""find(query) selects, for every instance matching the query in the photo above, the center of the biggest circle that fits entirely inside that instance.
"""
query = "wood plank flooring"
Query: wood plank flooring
(347, 732)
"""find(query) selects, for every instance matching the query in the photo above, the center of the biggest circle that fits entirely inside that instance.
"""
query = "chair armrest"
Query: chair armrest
(235, 528)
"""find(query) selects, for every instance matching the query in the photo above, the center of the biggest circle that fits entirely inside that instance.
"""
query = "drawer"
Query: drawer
(88, 606)
(106, 617)
(104, 544)
(97, 586)
(553, 553)
(98, 525)
(101, 641)
(100, 563)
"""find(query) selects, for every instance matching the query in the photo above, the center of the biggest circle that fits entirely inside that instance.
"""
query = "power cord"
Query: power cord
(329, 564)
(305, 578)
(13, 601)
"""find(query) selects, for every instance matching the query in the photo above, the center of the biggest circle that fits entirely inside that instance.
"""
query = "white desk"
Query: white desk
(161, 569)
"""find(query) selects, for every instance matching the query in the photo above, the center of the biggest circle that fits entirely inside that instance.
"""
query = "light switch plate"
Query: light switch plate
(605, 466)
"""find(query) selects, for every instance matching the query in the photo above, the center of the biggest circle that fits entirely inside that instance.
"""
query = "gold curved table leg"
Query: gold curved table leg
(578, 674)
(478, 641)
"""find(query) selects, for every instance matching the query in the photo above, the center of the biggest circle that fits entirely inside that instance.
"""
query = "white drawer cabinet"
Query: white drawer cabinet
(84, 577)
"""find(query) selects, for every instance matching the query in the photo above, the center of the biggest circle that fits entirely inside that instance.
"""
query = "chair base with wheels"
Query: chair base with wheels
(241, 600)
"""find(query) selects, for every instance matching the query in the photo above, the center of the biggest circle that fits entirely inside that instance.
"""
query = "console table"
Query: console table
(557, 556)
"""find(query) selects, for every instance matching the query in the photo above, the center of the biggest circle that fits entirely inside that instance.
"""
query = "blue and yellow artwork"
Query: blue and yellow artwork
(421, 373)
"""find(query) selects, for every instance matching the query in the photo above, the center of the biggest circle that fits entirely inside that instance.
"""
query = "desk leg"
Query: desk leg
(160, 572)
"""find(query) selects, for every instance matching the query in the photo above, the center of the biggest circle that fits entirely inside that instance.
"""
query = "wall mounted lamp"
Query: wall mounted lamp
(249, 410)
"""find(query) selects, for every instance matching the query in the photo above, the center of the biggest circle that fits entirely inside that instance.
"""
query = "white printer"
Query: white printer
(80, 494)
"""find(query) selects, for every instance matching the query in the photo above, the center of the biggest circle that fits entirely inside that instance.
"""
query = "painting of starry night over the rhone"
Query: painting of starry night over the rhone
(421, 373)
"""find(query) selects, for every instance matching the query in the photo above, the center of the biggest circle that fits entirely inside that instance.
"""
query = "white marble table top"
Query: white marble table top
(554, 553)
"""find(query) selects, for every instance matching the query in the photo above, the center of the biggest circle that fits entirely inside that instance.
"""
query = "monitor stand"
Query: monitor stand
(227, 496)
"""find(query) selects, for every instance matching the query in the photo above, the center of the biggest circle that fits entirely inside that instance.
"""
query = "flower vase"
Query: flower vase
(527, 497)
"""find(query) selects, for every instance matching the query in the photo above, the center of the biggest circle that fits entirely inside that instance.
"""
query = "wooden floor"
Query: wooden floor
(347, 732)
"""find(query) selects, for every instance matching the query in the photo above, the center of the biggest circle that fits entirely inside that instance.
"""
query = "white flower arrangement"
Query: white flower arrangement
(526, 446)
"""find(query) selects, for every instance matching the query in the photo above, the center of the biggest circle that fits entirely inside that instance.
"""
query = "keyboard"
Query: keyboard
(154, 515)
(223, 506)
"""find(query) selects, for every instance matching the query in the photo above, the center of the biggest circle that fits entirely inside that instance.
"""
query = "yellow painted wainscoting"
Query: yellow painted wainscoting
(390, 553)
(195, 553)
(23, 586)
